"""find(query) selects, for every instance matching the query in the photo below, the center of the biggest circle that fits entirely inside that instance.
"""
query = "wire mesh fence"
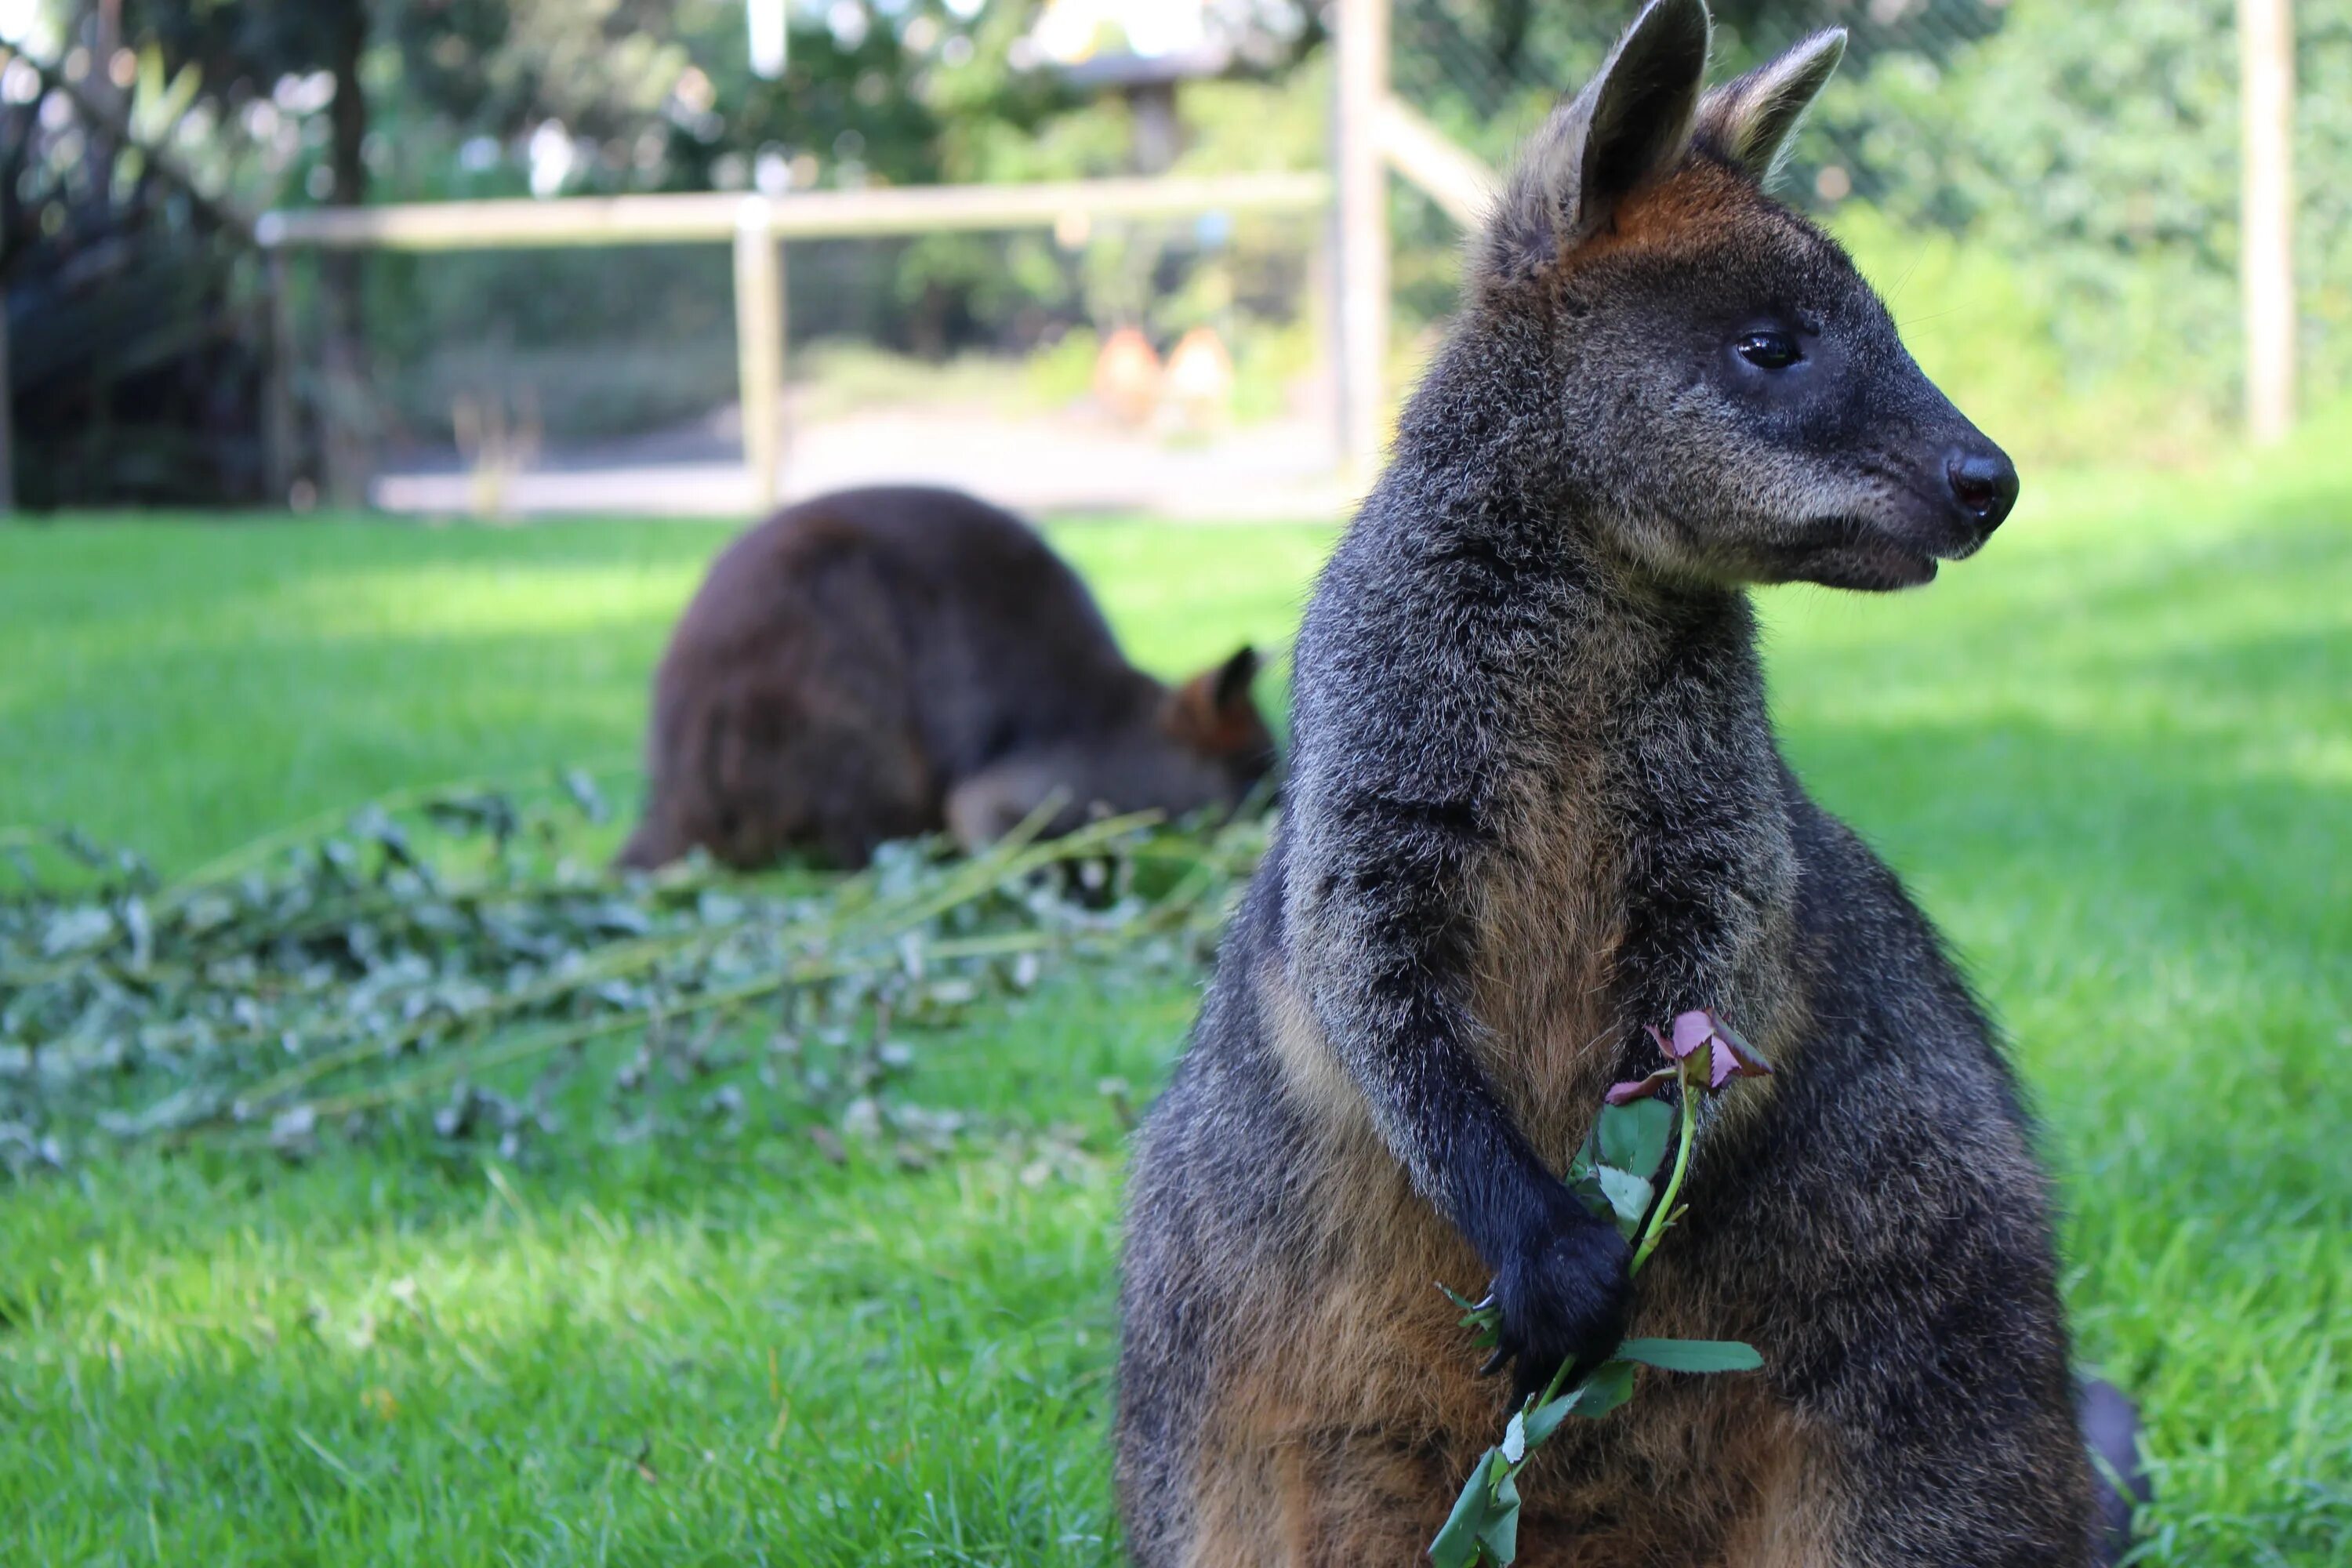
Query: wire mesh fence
(1488, 69)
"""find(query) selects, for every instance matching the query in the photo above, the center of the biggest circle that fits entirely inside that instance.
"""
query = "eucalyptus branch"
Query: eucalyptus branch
(437, 940)
(1664, 1216)
(1613, 1174)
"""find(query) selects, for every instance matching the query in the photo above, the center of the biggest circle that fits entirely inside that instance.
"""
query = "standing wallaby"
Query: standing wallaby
(878, 663)
(1536, 803)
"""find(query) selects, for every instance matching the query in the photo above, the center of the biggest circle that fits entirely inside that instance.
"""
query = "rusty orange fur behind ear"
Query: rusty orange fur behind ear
(1214, 713)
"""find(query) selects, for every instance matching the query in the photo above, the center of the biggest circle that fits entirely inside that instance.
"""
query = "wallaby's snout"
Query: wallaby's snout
(1984, 484)
(1892, 479)
(1960, 488)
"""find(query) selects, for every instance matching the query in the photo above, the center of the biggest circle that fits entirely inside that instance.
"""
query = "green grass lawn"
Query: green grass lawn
(2113, 755)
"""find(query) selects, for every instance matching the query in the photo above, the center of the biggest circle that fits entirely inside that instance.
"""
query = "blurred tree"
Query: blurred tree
(131, 312)
(2102, 164)
(500, 67)
(244, 48)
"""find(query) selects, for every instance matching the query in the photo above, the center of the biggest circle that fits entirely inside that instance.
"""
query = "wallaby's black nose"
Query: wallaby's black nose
(1984, 484)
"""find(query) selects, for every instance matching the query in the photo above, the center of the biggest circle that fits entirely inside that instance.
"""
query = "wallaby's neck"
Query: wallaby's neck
(1488, 464)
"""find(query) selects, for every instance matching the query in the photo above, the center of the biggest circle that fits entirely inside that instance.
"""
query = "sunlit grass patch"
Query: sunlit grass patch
(724, 1353)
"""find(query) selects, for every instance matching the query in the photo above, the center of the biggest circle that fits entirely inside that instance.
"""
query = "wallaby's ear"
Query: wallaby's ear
(1212, 712)
(1632, 123)
(1232, 688)
(1752, 120)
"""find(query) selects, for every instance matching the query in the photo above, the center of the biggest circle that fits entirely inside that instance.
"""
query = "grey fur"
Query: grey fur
(1536, 802)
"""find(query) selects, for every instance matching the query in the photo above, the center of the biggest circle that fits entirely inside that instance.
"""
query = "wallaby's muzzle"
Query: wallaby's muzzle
(1984, 484)
(1961, 488)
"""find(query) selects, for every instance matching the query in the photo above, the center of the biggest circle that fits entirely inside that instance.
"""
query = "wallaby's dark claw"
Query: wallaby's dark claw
(1495, 1363)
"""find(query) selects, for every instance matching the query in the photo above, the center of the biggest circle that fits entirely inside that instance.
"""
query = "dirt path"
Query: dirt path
(1060, 463)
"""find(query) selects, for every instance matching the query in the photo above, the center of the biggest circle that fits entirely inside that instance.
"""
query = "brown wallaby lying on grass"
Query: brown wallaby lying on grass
(880, 663)
(1536, 803)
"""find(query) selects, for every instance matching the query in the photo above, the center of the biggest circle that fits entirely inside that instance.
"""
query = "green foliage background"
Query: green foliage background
(2085, 159)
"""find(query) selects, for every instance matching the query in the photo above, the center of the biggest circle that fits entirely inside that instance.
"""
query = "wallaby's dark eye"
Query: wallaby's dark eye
(1770, 351)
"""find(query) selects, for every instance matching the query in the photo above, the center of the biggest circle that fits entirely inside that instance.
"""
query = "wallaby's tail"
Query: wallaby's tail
(2111, 1428)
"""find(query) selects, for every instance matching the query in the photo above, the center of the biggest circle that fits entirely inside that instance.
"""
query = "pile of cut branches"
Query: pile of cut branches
(449, 958)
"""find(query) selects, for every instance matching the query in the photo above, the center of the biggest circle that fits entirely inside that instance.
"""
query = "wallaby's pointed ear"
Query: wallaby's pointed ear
(1232, 688)
(1632, 123)
(1753, 119)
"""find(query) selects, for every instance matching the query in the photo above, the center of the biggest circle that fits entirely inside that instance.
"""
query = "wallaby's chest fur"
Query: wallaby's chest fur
(1624, 779)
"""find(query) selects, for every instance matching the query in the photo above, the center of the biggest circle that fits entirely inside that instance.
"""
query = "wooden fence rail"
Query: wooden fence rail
(686, 217)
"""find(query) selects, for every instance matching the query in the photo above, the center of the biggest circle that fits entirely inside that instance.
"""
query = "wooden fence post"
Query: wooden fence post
(1362, 91)
(8, 418)
(759, 348)
(278, 457)
(2266, 207)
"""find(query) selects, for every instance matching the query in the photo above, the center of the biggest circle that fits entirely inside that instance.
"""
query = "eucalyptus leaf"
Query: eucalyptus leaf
(1500, 1532)
(1692, 1355)
(1457, 1544)
(73, 930)
(1588, 1153)
(1611, 1386)
(1633, 1137)
(1485, 1318)
(1544, 1419)
(1588, 1190)
(1629, 1198)
(586, 795)
(1515, 1438)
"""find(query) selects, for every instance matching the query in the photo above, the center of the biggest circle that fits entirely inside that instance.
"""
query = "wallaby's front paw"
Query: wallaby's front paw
(1565, 1295)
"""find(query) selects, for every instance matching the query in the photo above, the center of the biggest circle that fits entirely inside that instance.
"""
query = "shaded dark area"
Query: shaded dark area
(134, 316)
(134, 371)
